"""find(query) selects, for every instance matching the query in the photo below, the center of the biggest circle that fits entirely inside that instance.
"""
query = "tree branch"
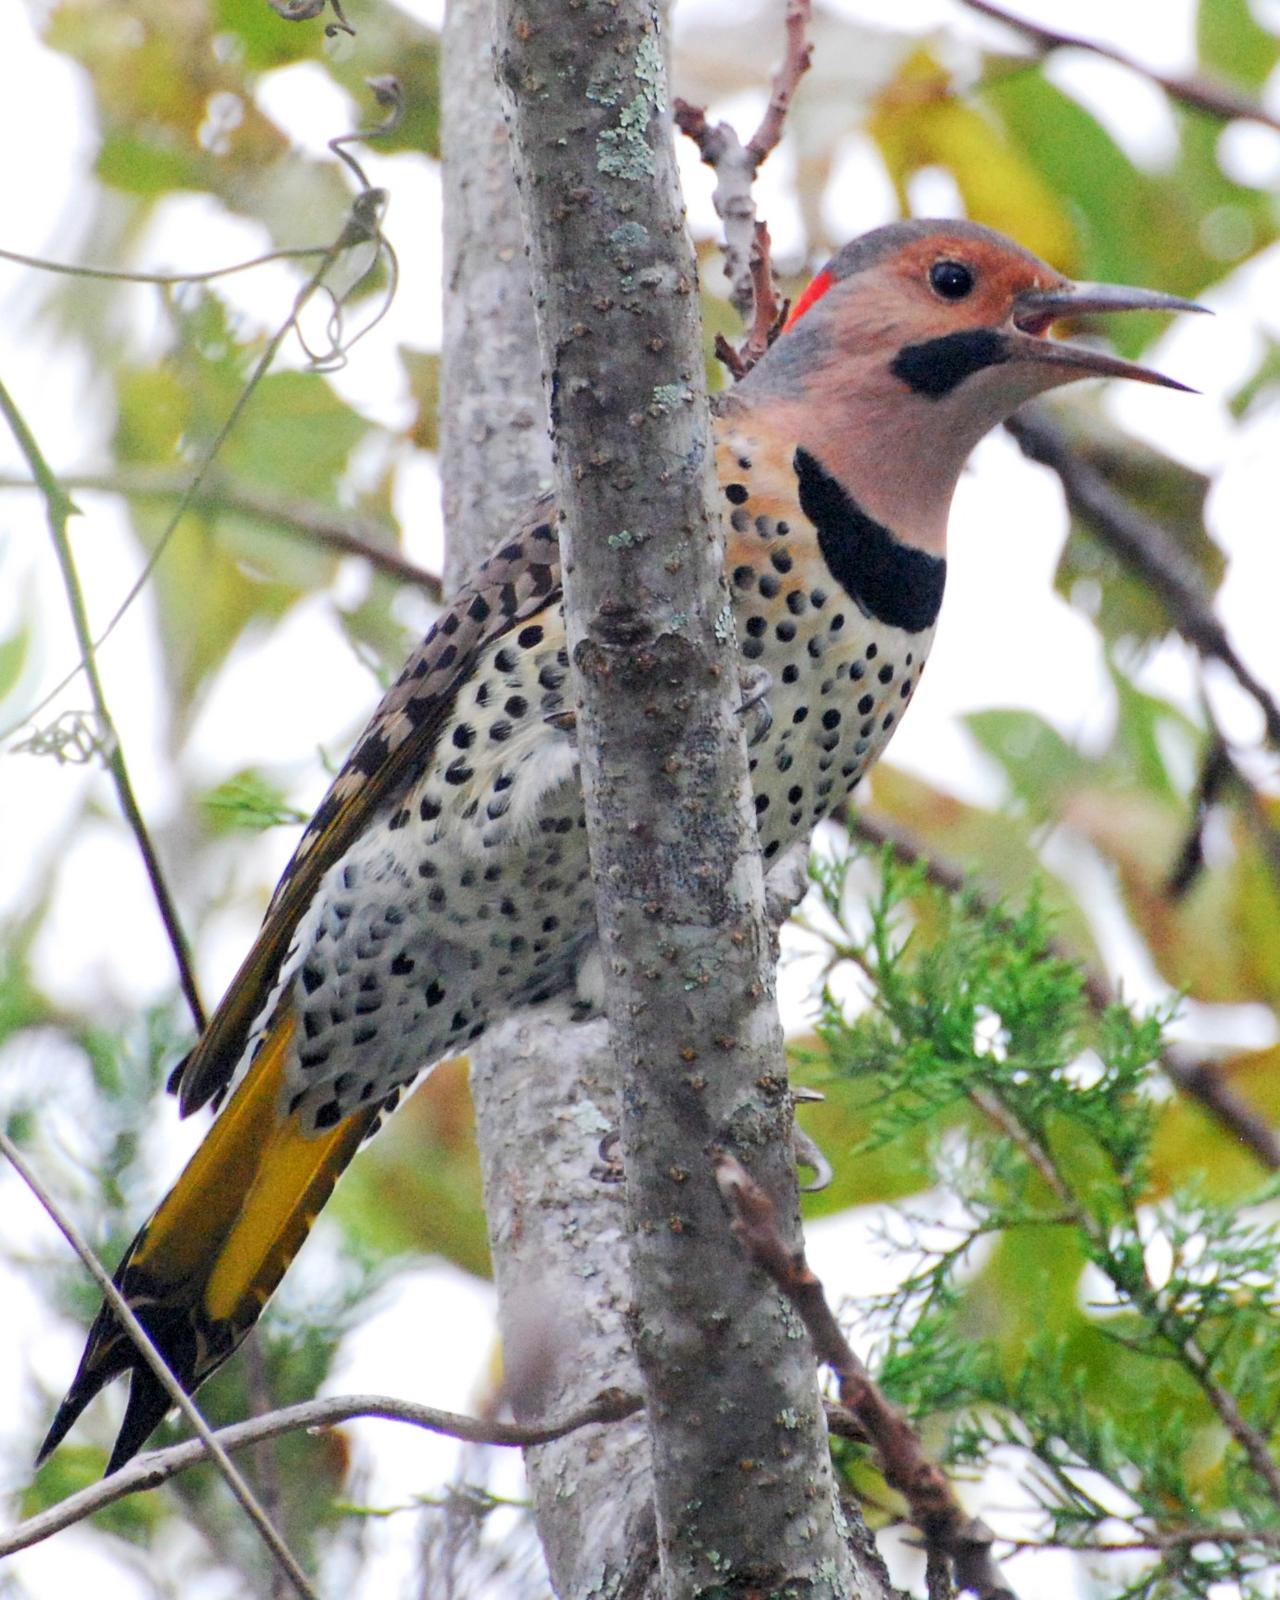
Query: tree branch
(1219, 100)
(362, 226)
(124, 1314)
(1145, 546)
(1199, 1080)
(347, 532)
(149, 1471)
(931, 1503)
(59, 508)
(735, 164)
(675, 857)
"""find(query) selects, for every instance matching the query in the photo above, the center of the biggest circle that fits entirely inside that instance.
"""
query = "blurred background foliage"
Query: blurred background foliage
(179, 96)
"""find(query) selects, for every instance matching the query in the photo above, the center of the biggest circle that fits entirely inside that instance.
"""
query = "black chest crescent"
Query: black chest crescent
(893, 582)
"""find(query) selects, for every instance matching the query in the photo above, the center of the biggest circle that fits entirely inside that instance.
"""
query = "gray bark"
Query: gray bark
(543, 1089)
(495, 455)
(744, 1491)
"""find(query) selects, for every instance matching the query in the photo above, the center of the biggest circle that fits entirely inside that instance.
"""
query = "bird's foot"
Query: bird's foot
(754, 684)
(805, 1149)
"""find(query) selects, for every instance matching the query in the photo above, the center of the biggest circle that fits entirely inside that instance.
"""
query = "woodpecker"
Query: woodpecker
(444, 883)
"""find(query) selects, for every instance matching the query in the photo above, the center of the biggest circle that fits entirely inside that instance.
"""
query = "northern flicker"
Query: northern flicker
(444, 880)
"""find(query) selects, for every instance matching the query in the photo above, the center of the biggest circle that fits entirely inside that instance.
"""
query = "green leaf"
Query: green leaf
(248, 803)
(1233, 44)
(1090, 575)
(13, 659)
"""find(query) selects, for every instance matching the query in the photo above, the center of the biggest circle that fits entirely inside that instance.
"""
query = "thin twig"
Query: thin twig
(932, 1505)
(795, 63)
(158, 1466)
(735, 164)
(1215, 770)
(1158, 1539)
(361, 226)
(1145, 546)
(347, 532)
(121, 275)
(124, 1314)
(59, 508)
(1218, 99)
(1199, 1080)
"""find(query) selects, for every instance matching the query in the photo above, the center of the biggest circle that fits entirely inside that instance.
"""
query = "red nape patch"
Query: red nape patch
(813, 293)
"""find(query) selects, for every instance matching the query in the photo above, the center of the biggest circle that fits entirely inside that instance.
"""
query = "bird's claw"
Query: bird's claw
(754, 684)
(805, 1149)
(609, 1168)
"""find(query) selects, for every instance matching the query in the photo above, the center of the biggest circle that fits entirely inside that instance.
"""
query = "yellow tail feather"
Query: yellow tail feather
(210, 1257)
(245, 1203)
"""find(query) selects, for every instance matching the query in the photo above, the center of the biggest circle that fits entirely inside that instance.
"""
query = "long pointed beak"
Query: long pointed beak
(1036, 309)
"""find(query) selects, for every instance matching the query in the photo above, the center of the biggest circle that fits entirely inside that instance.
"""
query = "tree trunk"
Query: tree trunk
(744, 1494)
(544, 1090)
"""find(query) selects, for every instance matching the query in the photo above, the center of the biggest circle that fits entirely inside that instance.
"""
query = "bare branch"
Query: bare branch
(124, 1314)
(122, 275)
(59, 509)
(931, 1503)
(735, 164)
(795, 64)
(1219, 100)
(347, 532)
(1145, 546)
(1199, 1080)
(158, 1466)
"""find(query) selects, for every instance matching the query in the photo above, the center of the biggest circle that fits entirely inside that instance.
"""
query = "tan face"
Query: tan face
(913, 344)
(949, 284)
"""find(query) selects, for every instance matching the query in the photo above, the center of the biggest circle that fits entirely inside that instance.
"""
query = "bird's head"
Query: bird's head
(917, 339)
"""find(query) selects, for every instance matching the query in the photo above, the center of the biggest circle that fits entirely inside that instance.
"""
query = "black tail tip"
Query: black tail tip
(148, 1403)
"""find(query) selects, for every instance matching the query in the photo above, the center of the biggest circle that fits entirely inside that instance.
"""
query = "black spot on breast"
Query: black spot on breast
(736, 494)
(895, 583)
(464, 736)
(528, 637)
(781, 559)
(505, 660)
(938, 366)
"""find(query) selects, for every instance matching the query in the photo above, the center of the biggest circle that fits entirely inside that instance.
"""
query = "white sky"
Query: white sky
(1004, 641)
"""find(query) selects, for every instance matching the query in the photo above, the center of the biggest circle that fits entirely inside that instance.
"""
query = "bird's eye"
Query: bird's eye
(951, 279)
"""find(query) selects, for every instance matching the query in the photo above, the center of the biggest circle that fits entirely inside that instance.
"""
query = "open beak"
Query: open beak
(1036, 310)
